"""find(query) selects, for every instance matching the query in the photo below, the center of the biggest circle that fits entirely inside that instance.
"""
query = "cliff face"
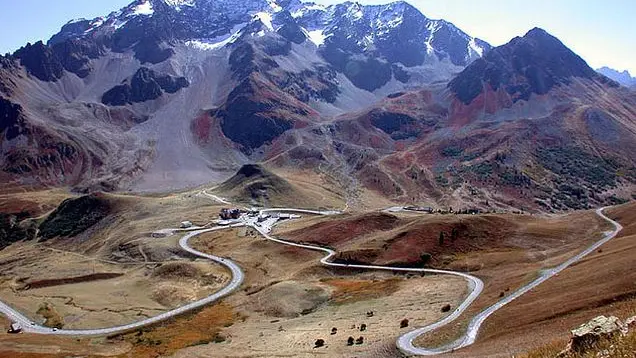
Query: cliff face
(378, 96)
(144, 85)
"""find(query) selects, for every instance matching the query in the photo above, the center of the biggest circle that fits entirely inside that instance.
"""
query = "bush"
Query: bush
(425, 258)
(74, 216)
(452, 151)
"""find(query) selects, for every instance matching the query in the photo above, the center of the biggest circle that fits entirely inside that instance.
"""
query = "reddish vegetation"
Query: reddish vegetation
(348, 291)
(421, 100)
(70, 280)
(201, 128)
(473, 234)
(340, 231)
(199, 328)
(394, 241)
(602, 283)
(489, 101)
(19, 206)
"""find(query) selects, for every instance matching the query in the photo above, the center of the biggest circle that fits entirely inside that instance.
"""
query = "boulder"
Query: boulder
(630, 323)
(589, 334)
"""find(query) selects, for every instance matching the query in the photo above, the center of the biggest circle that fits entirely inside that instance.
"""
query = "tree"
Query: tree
(319, 343)
(404, 323)
(441, 238)
(454, 234)
(360, 340)
(350, 341)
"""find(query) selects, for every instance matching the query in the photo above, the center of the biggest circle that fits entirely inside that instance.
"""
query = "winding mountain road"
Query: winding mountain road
(237, 279)
(476, 286)
(404, 342)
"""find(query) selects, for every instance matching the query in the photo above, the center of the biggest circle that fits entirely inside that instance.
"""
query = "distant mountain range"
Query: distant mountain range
(166, 94)
(624, 78)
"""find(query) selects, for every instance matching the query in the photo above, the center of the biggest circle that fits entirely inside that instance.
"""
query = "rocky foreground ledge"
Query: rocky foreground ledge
(600, 335)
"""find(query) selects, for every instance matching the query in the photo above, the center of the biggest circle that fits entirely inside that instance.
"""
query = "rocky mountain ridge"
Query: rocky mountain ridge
(624, 77)
(162, 95)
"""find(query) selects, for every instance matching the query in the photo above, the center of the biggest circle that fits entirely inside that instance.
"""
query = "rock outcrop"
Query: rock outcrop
(590, 334)
(145, 85)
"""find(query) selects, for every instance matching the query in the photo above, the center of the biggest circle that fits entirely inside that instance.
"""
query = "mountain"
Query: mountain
(532, 64)
(624, 78)
(355, 39)
(167, 94)
(528, 125)
(99, 105)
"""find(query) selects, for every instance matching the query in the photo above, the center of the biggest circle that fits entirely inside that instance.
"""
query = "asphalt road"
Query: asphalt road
(404, 342)
(476, 286)
(237, 278)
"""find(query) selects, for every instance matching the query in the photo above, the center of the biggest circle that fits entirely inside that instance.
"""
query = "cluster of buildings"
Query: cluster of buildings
(229, 214)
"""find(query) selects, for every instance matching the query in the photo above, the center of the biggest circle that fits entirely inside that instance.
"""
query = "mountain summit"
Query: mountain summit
(532, 64)
(166, 94)
(397, 32)
(624, 78)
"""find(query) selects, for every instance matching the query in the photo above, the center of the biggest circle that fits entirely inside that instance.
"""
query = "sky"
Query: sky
(603, 32)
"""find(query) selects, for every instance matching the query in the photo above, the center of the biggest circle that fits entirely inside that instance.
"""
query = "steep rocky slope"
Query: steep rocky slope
(624, 78)
(163, 95)
(529, 125)
(140, 97)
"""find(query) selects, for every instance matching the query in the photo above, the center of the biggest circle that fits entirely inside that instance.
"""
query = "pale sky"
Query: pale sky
(603, 32)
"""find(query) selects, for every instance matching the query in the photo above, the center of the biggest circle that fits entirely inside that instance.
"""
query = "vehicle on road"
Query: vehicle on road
(15, 327)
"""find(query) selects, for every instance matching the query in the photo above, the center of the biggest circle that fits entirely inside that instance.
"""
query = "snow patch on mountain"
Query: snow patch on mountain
(355, 11)
(217, 42)
(308, 8)
(95, 23)
(145, 8)
(432, 27)
(73, 21)
(266, 19)
(472, 46)
(274, 6)
(316, 36)
(179, 4)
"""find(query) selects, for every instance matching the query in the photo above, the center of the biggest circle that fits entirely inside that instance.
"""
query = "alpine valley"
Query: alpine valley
(164, 95)
(277, 178)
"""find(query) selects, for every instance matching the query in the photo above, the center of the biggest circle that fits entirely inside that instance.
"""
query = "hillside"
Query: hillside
(601, 284)
(100, 105)
(387, 102)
